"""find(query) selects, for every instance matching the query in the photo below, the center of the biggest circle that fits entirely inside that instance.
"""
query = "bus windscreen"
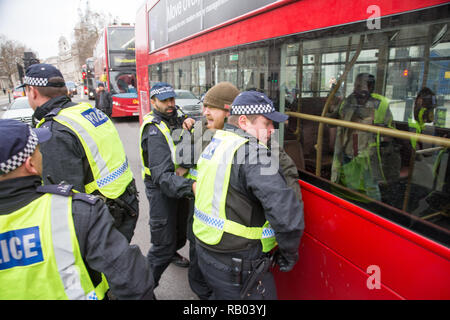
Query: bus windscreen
(121, 39)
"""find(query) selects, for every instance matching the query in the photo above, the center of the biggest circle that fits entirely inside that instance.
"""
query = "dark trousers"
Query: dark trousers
(168, 224)
(220, 278)
(196, 279)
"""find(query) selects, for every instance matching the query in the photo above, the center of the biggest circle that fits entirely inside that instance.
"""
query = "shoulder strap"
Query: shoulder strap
(89, 198)
(60, 189)
(67, 190)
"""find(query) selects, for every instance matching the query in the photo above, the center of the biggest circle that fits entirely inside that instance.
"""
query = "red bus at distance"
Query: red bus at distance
(306, 55)
(115, 67)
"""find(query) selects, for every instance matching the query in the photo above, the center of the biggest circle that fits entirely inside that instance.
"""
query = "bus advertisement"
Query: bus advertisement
(366, 238)
(115, 67)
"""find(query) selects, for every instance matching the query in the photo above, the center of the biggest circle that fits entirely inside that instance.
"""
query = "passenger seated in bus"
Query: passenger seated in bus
(361, 159)
(429, 186)
(424, 107)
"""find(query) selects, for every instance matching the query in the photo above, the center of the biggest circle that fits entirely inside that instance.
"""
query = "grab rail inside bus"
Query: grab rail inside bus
(424, 138)
(444, 142)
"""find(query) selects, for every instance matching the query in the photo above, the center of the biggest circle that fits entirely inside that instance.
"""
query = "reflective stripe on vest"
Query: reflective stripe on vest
(103, 148)
(210, 219)
(56, 248)
(254, 233)
(64, 255)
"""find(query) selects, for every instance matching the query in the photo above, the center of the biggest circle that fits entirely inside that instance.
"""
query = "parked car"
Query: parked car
(19, 109)
(18, 92)
(189, 103)
(71, 88)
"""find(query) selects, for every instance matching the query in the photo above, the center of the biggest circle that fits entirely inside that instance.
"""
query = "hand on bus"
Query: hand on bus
(188, 124)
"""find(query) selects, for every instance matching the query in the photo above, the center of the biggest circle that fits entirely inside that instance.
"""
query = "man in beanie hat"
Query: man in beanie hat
(216, 108)
(85, 149)
(244, 208)
(60, 244)
(217, 103)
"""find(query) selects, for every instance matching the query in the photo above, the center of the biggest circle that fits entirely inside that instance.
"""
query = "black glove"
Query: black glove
(286, 260)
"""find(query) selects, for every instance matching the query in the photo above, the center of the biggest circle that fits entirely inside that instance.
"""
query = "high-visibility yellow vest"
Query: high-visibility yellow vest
(214, 169)
(40, 256)
(161, 125)
(418, 125)
(103, 147)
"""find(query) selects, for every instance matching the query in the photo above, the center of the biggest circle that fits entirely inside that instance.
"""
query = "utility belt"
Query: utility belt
(122, 206)
(246, 272)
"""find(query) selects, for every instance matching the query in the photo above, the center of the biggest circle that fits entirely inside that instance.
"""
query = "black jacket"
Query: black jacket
(63, 156)
(103, 102)
(254, 197)
(158, 159)
(102, 247)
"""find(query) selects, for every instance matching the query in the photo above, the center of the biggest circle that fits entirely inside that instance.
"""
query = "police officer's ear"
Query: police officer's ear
(31, 92)
(243, 122)
(33, 165)
(34, 97)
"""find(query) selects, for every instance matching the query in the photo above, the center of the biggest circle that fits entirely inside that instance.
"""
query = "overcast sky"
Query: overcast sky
(39, 24)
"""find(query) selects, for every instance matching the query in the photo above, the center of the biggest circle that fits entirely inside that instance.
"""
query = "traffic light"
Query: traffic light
(83, 75)
(273, 78)
(405, 72)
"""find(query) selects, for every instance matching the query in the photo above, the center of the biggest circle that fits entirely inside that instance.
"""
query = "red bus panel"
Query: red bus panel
(342, 241)
(347, 250)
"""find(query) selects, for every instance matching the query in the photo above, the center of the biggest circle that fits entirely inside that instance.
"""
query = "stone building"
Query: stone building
(68, 61)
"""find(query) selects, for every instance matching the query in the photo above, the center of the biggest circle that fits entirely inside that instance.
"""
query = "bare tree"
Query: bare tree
(87, 30)
(11, 54)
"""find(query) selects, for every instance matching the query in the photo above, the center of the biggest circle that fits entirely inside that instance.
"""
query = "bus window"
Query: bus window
(122, 82)
(365, 167)
(253, 68)
(181, 75)
(225, 67)
(198, 74)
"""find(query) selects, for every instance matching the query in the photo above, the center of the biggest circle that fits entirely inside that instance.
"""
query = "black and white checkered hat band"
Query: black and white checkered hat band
(252, 109)
(38, 82)
(161, 90)
(17, 160)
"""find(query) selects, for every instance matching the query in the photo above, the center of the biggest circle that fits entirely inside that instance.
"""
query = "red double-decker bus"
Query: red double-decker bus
(306, 56)
(115, 67)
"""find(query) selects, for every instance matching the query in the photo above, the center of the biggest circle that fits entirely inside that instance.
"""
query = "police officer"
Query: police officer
(243, 206)
(216, 108)
(54, 243)
(85, 149)
(164, 189)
